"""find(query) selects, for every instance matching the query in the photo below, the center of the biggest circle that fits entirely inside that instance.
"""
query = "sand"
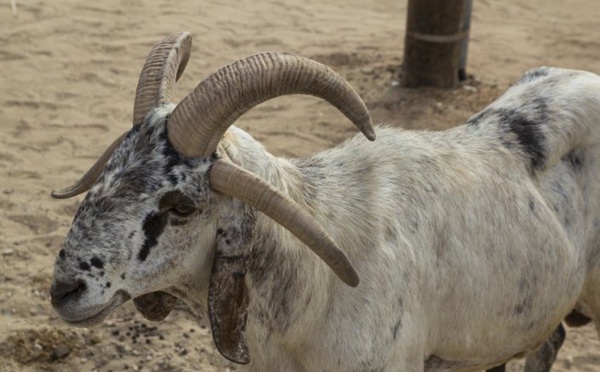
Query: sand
(68, 70)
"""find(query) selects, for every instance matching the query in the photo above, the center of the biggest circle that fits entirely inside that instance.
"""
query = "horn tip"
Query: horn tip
(352, 279)
(57, 195)
(64, 193)
(369, 132)
(54, 195)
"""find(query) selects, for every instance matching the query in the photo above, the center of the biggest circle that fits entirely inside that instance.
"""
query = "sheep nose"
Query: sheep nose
(61, 292)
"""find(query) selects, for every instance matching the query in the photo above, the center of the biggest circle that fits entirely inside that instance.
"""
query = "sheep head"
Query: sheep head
(165, 206)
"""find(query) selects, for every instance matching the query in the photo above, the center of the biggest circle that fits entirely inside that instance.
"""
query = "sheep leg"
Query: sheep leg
(543, 357)
(541, 360)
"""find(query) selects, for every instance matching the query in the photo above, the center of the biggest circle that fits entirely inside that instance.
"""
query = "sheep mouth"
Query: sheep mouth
(96, 315)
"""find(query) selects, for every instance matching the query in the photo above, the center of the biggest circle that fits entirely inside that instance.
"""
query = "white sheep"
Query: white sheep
(471, 244)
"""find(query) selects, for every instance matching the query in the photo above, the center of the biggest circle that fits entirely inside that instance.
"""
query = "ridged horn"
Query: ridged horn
(200, 120)
(88, 179)
(164, 66)
(229, 179)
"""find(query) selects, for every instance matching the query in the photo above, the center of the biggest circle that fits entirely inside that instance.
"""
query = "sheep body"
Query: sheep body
(462, 239)
(489, 214)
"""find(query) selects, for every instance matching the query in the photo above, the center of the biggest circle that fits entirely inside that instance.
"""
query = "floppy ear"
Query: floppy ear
(227, 291)
(155, 306)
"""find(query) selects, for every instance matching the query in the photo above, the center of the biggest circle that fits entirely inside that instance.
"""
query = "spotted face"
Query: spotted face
(145, 226)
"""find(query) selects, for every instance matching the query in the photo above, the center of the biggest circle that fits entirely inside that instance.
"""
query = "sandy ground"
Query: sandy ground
(68, 70)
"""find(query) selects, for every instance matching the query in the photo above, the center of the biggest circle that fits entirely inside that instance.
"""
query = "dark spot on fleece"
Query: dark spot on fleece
(525, 306)
(175, 198)
(529, 135)
(524, 285)
(173, 157)
(575, 159)
(62, 254)
(97, 263)
(396, 327)
(532, 205)
(525, 123)
(480, 117)
(172, 177)
(114, 162)
(276, 278)
(153, 227)
(84, 266)
(534, 74)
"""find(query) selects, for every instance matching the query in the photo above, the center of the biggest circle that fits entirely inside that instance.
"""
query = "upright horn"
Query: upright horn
(162, 69)
(198, 123)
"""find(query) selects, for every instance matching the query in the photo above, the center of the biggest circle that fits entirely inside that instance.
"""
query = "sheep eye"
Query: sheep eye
(183, 210)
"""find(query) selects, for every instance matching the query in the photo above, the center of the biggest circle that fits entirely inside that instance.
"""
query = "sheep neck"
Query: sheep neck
(288, 284)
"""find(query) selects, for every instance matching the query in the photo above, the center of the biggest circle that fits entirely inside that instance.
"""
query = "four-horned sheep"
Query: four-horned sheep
(423, 251)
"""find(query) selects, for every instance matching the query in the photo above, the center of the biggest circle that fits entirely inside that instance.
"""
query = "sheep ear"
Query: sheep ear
(228, 308)
(155, 306)
(227, 292)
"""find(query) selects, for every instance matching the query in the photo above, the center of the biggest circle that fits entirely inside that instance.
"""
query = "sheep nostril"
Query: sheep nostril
(63, 291)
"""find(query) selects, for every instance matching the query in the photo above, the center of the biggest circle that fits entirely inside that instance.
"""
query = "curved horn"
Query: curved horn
(200, 120)
(163, 67)
(88, 179)
(229, 179)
